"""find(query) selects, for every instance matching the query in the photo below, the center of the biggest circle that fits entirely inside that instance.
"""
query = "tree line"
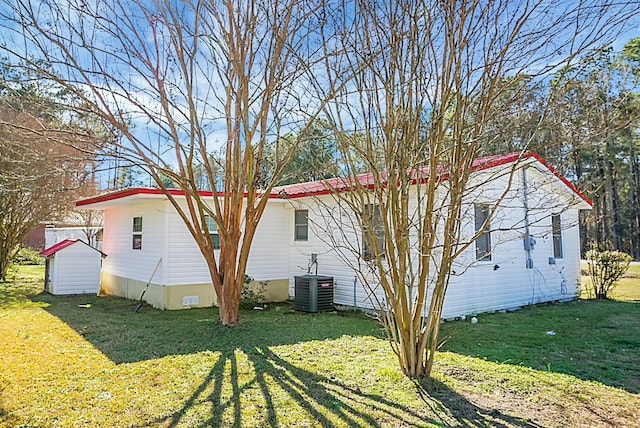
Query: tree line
(585, 121)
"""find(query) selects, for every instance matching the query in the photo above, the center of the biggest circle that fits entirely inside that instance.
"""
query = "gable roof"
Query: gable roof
(327, 186)
(48, 252)
(317, 188)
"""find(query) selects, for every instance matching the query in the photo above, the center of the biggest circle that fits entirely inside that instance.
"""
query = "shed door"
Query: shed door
(48, 275)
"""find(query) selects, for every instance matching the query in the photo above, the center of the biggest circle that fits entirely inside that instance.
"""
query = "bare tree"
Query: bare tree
(180, 81)
(429, 76)
(41, 170)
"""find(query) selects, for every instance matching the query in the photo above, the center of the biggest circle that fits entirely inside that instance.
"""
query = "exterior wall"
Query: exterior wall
(172, 297)
(122, 260)
(335, 237)
(132, 289)
(267, 259)
(53, 235)
(504, 282)
(75, 270)
(183, 271)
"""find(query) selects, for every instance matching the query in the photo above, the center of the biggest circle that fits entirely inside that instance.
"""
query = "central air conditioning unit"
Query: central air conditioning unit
(314, 293)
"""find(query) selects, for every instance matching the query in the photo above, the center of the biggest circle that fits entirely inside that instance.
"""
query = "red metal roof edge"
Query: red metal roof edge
(57, 247)
(479, 164)
(48, 252)
(135, 191)
(562, 178)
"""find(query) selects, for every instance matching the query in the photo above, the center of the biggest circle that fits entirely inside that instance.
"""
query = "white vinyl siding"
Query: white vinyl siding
(267, 258)
(75, 270)
(122, 260)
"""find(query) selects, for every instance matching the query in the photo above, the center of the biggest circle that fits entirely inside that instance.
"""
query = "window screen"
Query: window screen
(483, 243)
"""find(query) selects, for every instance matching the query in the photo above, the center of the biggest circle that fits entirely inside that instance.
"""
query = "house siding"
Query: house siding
(267, 259)
(504, 282)
(123, 261)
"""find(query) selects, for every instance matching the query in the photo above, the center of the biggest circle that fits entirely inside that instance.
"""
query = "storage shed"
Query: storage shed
(73, 267)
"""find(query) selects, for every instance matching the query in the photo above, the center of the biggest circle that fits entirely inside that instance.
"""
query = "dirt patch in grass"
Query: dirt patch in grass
(536, 398)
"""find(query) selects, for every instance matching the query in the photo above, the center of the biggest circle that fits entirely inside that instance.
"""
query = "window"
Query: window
(301, 225)
(213, 232)
(483, 243)
(137, 233)
(556, 231)
(373, 243)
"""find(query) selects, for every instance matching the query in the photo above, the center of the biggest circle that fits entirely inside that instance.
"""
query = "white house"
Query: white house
(72, 267)
(530, 254)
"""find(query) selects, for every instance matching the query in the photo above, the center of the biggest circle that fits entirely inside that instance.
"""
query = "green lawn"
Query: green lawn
(92, 361)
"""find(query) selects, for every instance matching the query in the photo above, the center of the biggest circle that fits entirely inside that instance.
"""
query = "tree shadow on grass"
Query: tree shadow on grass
(124, 336)
(271, 385)
(324, 400)
(456, 410)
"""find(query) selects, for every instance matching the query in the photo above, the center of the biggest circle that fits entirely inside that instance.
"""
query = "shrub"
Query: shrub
(27, 256)
(252, 294)
(605, 269)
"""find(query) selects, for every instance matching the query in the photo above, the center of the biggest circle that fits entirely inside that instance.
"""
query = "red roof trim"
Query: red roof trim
(120, 194)
(319, 188)
(326, 187)
(48, 252)
(562, 178)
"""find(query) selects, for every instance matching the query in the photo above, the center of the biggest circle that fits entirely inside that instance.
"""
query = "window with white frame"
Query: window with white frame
(213, 232)
(301, 220)
(137, 234)
(556, 232)
(373, 243)
(483, 242)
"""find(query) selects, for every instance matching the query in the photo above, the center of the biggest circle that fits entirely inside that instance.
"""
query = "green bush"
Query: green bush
(252, 295)
(27, 256)
(605, 269)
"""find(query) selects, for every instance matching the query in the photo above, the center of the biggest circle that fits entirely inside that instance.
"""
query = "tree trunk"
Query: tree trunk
(612, 192)
(4, 263)
(229, 305)
(634, 201)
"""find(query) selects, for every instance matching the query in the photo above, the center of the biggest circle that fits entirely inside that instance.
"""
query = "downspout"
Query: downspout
(528, 240)
(355, 284)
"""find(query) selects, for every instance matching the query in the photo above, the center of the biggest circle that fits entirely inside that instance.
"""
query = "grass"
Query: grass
(87, 360)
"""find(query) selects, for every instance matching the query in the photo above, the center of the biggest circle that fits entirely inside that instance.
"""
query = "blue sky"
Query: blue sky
(133, 89)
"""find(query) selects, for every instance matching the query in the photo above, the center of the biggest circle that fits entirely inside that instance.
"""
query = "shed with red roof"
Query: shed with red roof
(73, 267)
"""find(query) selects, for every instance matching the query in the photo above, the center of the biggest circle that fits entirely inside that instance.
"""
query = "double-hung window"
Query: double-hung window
(301, 221)
(556, 231)
(373, 243)
(483, 242)
(214, 237)
(137, 234)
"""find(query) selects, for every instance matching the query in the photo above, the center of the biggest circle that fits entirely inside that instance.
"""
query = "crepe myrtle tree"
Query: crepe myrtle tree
(428, 77)
(45, 163)
(180, 81)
